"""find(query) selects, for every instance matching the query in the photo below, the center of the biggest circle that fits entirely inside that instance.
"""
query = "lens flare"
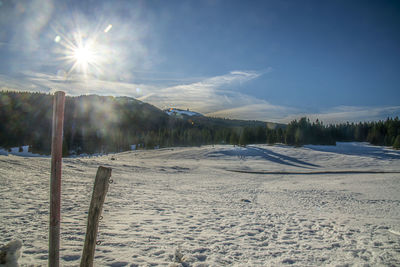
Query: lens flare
(84, 52)
(108, 28)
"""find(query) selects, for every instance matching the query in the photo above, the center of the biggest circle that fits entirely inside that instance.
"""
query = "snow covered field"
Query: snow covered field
(215, 206)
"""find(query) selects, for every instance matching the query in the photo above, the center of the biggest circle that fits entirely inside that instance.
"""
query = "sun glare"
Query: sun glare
(85, 53)
(83, 56)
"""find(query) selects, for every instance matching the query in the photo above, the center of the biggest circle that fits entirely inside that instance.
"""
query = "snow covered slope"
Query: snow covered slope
(176, 111)
(24, 152)
(192, 206)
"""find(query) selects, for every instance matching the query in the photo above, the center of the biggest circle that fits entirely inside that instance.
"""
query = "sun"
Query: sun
(84, 56)
(84, 53)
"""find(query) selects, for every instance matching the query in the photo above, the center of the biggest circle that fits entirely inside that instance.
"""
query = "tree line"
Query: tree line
(103, 124)
(301, 132)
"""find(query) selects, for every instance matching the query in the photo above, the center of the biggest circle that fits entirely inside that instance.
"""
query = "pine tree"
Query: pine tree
(396, 144)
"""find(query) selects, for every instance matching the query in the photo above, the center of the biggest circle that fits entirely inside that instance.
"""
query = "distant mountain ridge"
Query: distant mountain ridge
(111, 124)
(102, 124)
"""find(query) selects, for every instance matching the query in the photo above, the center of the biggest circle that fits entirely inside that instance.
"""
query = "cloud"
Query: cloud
(264, 111)
(27, 21)
(37, 35)
(217, 97)
(213, 96)
(73, 85)
(258, 110)
(342, 114)
(206, 96)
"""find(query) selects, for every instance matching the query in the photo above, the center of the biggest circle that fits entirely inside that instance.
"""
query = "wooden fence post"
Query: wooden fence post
(55, 178)
(100, 189)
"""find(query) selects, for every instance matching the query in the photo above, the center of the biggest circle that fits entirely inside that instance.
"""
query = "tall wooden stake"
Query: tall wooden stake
(55, 178)
(100, 189)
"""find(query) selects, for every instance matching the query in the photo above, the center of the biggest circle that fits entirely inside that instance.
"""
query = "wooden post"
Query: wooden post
(55, 178)
(96, 205)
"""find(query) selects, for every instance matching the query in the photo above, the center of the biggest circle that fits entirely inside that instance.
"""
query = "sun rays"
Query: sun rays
(84, 56)
(84, 52)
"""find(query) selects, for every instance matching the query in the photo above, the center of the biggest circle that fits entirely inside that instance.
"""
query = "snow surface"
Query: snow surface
(175, 111)
(15, 151)
(190, 207)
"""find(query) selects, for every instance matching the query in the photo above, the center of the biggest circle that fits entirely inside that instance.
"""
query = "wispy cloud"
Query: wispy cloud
(255, 110)
(36, 35)
(73, 85)
(349, 114)
(212, 96)
(206, 96)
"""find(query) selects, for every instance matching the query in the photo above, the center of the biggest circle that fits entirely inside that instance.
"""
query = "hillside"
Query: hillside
(212, 121)
(109, 124)
(102, 124)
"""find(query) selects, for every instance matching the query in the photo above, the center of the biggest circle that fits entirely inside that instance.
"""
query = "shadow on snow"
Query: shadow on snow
(358, 149)
(251, 151)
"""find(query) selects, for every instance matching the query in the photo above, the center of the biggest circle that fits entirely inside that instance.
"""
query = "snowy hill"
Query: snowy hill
(176, 111)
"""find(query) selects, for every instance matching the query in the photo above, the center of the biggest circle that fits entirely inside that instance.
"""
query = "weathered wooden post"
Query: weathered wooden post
(100, 189)
(55, 178)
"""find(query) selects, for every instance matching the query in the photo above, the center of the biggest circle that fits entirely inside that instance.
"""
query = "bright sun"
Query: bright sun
(86, 54)
(83, 56)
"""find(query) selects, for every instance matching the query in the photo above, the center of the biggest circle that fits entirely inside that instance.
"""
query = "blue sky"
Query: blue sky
(267, 60)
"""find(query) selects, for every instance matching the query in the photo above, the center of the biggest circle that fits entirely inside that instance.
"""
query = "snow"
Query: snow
(190, 206)
(174, 111)
(15, 151)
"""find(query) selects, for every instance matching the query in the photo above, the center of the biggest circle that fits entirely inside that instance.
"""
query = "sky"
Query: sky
(261, 60)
